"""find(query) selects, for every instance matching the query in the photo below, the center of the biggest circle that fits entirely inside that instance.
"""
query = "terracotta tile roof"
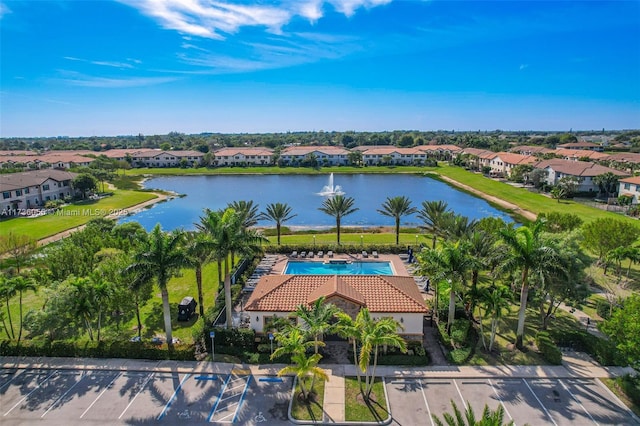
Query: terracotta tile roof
(11, 181)
(16, 152)
(337, 287)
(231, 151)
(625, 157)
(482, 153)
(579, 145)
(577, 168)
(452, 148)
(581, 153)
(634, 179)
(304, 150)
(283, 293)
(510, 158)
(531, 149)
(387, 150)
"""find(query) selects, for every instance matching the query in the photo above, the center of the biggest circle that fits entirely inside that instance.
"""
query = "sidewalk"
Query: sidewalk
(334, 397)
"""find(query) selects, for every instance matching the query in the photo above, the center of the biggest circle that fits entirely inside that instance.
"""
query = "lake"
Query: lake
(301, 192)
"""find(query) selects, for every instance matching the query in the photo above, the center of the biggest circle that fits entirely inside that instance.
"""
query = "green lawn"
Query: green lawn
(357, 410)
(351, 240)
(73, 215)
(309, 410)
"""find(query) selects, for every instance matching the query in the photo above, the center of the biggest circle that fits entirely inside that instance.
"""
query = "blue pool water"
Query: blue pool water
(352, 268)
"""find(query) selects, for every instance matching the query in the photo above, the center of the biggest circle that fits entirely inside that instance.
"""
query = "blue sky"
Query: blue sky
(83, 68)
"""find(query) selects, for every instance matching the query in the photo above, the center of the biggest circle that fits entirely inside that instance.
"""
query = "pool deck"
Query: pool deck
(399, 267)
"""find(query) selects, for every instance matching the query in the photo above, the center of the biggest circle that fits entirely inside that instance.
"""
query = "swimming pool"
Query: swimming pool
(337, 267)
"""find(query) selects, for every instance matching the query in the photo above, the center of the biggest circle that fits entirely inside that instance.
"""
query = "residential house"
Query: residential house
(583, 171)
(167, 158)
(577, 154)
(397, 297)
(325, 155)
(382, 155)
(31, 190)
(503, 162)
(631, 187)
(625, 161)
(234, 156)
(531, 150)
(586, 146)
(440, 152)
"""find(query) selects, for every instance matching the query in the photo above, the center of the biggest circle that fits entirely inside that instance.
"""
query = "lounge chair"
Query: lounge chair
(320, 254)
(374, 254)
(364, 254)
(310, 255)
(330, 253)
(303, 254)
(294, 254)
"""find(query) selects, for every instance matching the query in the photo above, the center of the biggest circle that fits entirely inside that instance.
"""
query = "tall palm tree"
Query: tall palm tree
(102, 292)
(482, 251)
(229, 236)
(84, 302)
(317, 319)
(279, 213)
(457, 226)
(305, 368)
(397, 207)
(450, 262)
(348, 328)
(161, 257)
(7, 291)
(338, 206)
(198, 251)
(22, 284)
(375, 333)
(526, 253)
(247, 211)
(431, 214)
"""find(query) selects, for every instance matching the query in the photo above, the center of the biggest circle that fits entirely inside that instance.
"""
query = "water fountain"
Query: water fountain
(330, 190)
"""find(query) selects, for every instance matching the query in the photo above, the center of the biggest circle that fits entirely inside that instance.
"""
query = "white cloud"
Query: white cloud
(4, 10)
(524, 66)
(215, 18)
(105, 63)
(82, 80)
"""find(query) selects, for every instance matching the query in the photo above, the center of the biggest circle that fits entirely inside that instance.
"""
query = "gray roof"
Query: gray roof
(13, 181)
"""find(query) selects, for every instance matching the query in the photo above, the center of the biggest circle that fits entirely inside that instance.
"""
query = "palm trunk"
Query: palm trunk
(87, 324)
(138, 318)
(13, 335)
(315, 343)
(219, 273)
(227, 299)
(199, 283)
(6, 329)
(303, 388)
(20, 329)
(397, 231)
(166, 310)
(474, 291)
(484, 344)
(338, 228)
(278, 231)
(373, 372)
(355, 362)
(494, 329)
(524, 292)
(452, 309)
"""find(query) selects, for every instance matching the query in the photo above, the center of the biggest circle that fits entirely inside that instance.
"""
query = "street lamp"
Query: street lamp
(416, 240)
(314, 242)
(361, 241)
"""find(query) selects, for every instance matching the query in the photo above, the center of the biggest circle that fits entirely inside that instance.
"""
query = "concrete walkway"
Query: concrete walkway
(334, 397)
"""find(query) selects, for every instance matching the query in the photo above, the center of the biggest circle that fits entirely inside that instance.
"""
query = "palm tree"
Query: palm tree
(279, 213)
(84, 301)
(496, 300)
(228, 236)
(22, 284)
(338, 207)
(526, 253)
(7, 291)
(161, 257)
(375, 333)
(305, 368)
(489, 417)
(247, 211)
(481, 250)
(102, 292)
(397, 207)
(450, 262)
(431, 214)
(291, 341)
(348, 328)
(317, 319)
(198, 252)
(456, 226)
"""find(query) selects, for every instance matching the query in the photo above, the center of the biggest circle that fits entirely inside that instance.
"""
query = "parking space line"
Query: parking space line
(501, 402)
(244, 392)
(620, 404)
(101, 393)
(424, 397)
(540, 402)
(136, 395)
(460, 393)
(215, 406)
(576, 400)
(82, 376)
(168, 404)
(27, 395)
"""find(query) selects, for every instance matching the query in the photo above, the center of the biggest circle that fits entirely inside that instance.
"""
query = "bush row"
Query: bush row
(602, 350)
(380, 248)
(103, 349)
(548, 348)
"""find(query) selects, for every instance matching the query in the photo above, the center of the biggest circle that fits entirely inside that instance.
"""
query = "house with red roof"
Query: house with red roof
(630, 187)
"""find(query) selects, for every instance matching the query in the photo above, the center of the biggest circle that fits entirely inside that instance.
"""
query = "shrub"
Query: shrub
(603, 308)
(602, 350)
(460, 355)
(548, 348)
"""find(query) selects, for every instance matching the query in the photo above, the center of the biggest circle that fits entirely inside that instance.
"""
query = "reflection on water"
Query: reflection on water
(301, 193)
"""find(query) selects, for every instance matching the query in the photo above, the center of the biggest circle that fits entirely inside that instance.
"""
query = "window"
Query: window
(18, 192)
(45, 187)
(26, 190)
(627, 186)
(6, 195)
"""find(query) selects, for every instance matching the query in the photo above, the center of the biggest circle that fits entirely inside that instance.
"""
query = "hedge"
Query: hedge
(103, 349)
(602, 350)
(548, 348)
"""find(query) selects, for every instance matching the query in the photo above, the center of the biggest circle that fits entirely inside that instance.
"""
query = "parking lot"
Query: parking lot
(74, 397)
(534, 402)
